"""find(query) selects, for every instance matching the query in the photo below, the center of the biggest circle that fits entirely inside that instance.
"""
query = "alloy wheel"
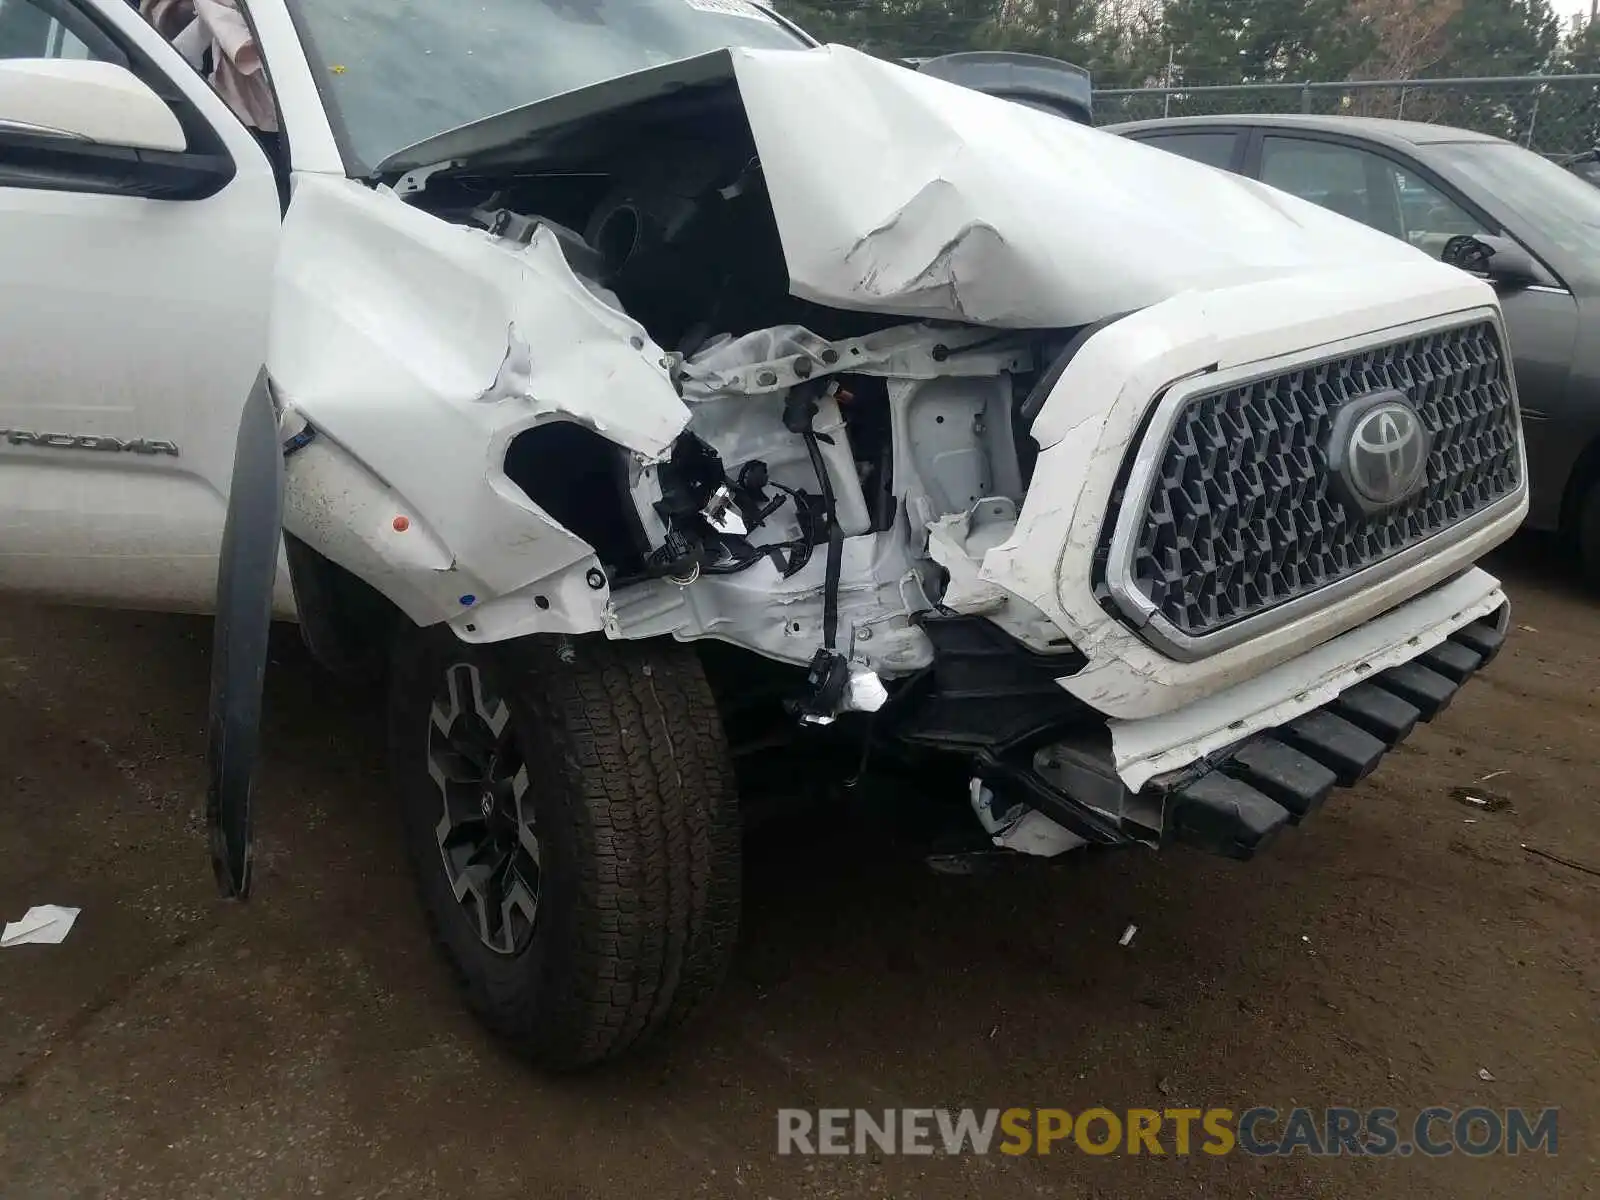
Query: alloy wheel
(487, 840)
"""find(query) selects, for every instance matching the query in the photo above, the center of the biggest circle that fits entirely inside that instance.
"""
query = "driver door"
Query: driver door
(137, 252)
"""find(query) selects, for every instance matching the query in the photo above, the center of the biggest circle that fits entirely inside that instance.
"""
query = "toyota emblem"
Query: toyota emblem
(1379, 451)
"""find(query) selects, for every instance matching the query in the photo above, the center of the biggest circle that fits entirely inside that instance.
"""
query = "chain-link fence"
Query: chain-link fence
(1554, 114)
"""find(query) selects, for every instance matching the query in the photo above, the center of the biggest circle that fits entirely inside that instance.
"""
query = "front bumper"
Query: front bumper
(1139, 739)
(1233, 805)
(1227, 773)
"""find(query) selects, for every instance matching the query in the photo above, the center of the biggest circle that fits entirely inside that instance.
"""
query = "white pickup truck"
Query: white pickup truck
(607, 375)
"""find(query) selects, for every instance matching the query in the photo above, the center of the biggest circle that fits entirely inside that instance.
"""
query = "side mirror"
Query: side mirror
(1498, 259)
(81, 100)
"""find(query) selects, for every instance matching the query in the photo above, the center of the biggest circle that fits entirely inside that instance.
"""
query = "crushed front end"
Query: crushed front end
(1173, 580)
(1151, 495)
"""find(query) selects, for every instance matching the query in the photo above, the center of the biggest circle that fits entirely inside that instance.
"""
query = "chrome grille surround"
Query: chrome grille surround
(1227, 527)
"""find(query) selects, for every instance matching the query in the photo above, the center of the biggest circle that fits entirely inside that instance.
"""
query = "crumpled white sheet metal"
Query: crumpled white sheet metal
(419, 350)
(1151, 746)
(896, 192)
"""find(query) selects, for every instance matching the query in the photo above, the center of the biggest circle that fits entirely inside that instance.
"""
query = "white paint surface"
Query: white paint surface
(85, 100)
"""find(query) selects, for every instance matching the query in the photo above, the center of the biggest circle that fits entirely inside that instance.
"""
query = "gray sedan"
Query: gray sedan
(1534, 230)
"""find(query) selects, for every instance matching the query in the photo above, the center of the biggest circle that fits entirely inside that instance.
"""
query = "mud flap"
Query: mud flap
(246, 574)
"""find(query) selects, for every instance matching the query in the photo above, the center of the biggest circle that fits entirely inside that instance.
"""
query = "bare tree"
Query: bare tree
(1409, 36)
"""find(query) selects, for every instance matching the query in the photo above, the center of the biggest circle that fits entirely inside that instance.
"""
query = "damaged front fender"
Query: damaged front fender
(415, 351)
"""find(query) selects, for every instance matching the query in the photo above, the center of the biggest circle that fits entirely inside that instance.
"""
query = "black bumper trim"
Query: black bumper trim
(1453, 660)
(1487, 637)
(1225, 816)
(1429, 691)
(1380, 713)
(1296, 781)
(1349, 752)
(1236, 805)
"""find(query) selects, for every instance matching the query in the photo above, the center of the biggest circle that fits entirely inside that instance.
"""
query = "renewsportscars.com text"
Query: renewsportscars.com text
(1329, 1132)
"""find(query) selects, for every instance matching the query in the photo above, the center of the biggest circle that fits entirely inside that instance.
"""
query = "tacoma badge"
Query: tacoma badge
(89, 441)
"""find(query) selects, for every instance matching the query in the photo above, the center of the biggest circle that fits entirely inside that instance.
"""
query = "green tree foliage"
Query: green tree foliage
(1264, 41)
(1207, 41)
(1500, 37)
(1574, 125)
(1194, 43)
(1583, 51)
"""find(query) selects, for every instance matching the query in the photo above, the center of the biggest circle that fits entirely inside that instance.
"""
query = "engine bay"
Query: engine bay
(838, 468)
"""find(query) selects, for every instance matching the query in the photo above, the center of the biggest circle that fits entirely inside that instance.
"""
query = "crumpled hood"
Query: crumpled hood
(899, 193)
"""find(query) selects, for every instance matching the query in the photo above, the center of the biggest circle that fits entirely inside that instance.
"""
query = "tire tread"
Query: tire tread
(628, 739)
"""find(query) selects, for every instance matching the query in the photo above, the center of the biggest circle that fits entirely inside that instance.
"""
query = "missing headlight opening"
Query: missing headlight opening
(822, 445)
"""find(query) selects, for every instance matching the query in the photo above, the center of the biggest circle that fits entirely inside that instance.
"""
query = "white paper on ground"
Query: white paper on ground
(43, 925)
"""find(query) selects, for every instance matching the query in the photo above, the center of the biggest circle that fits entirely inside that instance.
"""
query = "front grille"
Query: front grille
(1242, 515)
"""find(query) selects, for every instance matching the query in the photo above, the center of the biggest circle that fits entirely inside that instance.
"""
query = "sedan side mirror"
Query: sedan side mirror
(80, 100)
(1498, 259)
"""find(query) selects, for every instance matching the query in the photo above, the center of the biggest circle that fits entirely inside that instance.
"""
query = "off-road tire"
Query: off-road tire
(634, 798)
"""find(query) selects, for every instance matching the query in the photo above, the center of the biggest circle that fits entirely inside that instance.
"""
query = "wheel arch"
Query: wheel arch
(345, 622)
(1585, 474)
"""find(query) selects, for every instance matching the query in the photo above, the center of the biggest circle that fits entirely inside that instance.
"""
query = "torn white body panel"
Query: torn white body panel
(812, 499)
(418, 350)
(434, 422)
(973, 208)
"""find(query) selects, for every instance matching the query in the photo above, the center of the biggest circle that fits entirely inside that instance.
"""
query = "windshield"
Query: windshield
(1552, 200)
(394, 72)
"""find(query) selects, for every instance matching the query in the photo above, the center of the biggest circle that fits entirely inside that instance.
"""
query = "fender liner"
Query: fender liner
(345, 622)
(246, 572)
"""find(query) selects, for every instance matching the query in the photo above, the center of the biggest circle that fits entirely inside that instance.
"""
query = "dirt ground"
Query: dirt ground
(309, 1043)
